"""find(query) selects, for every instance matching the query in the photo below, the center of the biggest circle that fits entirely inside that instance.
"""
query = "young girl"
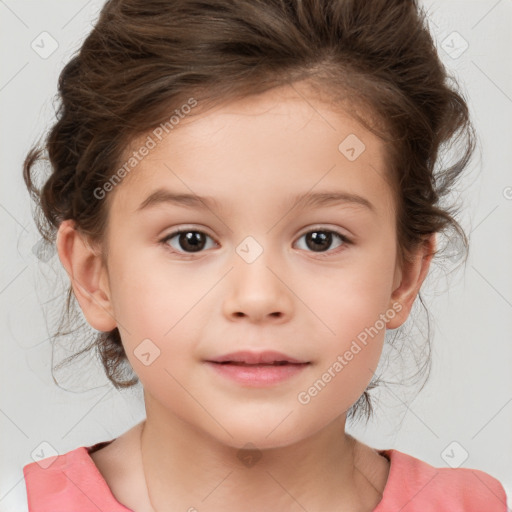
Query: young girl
(244, 198)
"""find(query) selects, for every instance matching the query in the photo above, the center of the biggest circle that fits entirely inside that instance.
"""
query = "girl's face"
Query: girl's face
(260, 270)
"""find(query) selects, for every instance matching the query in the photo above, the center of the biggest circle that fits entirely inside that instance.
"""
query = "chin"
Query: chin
(262, 435)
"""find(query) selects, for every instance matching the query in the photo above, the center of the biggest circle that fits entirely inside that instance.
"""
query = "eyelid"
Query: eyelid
(346, 240)
(324, 227)
(319, 227)
(186, 227)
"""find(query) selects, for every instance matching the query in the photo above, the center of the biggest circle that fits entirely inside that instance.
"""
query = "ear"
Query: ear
(408, 280)
(89, 278)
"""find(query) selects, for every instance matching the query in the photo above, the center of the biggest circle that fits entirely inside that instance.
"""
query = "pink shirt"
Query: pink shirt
(73, 483)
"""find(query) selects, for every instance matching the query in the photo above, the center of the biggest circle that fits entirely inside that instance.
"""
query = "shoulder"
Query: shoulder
(414, 485)
(68, 481)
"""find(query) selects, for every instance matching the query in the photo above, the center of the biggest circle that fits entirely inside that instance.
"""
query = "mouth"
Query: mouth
(257, 369)
(246, 357)
(241, 363)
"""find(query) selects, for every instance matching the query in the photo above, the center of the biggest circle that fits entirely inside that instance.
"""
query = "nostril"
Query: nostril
(277, 314)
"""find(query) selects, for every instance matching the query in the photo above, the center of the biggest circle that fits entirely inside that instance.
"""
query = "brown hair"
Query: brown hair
(145, 58)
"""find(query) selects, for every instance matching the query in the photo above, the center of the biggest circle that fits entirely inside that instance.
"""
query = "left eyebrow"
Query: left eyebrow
(302, 201)
(331, 198)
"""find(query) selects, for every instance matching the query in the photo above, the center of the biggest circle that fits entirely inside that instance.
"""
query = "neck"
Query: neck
(188, 470)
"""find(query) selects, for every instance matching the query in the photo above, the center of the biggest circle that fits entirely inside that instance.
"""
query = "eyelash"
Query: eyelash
(325, 254)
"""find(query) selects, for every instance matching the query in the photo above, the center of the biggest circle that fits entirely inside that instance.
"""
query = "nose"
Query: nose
(258, 291)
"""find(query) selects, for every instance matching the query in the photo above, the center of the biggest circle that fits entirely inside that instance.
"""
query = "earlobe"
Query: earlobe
(411, 277)
(88, 276)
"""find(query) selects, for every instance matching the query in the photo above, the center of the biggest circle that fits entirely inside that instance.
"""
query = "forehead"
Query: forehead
(280, 144)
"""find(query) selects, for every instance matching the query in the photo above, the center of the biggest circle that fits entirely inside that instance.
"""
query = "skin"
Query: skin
(252, 156)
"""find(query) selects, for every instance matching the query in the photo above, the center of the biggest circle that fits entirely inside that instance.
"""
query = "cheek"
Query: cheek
(149, 296)
(338, 385)
(154, 305)
(348, 360)
(353, 306)
(348, 300)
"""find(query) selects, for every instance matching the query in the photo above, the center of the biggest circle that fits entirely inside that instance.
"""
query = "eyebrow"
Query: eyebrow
(302, 201)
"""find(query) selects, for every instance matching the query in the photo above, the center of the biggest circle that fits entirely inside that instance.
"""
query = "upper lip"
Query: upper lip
(249, 357)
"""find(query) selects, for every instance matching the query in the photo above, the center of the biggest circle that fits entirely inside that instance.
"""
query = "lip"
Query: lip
(249, 357)
(257, 369)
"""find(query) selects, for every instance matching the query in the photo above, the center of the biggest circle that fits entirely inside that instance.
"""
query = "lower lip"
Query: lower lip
(257, 375)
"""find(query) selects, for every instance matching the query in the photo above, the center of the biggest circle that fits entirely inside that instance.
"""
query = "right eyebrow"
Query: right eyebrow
(163, 196)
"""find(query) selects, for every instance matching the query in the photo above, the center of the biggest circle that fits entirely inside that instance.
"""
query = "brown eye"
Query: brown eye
(320, 240)
(188, 241)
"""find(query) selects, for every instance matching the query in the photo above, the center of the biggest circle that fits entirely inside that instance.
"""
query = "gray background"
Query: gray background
(468, 399)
